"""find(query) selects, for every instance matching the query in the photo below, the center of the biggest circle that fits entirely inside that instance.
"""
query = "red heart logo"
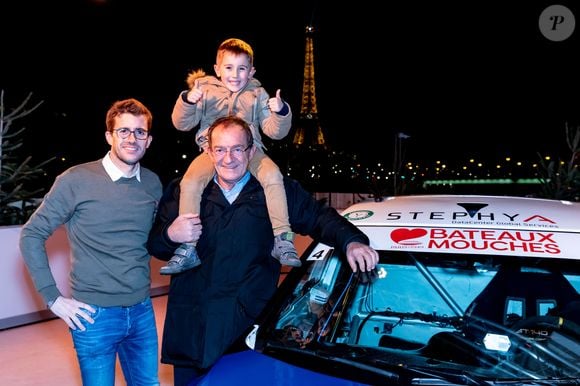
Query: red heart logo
(400, 235)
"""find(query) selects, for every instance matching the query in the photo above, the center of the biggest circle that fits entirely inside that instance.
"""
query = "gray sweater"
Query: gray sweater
(107, 224)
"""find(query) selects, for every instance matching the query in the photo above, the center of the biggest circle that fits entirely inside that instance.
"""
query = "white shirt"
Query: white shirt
(115, 173)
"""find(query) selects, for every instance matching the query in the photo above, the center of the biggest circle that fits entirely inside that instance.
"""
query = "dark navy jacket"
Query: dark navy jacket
(211, 305)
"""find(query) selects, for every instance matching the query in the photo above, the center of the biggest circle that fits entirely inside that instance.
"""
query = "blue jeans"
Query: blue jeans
(129, 331)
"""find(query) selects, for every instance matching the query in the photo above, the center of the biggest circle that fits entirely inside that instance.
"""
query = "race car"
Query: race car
(469, 290)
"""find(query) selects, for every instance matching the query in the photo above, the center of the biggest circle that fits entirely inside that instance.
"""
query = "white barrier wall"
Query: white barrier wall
(19, 301)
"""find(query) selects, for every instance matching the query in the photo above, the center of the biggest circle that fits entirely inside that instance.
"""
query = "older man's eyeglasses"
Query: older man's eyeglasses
(124, 133)
(236, 151)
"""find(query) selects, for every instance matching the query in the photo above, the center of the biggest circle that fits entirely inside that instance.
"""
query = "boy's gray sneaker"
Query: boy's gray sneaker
(284, 250)
(185, 258)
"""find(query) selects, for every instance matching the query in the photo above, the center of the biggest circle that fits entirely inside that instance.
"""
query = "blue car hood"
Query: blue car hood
(252, 368)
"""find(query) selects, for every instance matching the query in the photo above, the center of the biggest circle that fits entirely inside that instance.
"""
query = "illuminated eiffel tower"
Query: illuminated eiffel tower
(308, 131)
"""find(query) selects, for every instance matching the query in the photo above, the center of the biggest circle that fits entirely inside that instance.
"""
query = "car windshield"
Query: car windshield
(492, 317)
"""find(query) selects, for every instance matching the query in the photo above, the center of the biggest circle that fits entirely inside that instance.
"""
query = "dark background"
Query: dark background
(463, 79)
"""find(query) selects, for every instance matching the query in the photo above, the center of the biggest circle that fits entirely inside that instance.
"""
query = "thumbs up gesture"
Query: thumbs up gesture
(194, 95)
(275, 104)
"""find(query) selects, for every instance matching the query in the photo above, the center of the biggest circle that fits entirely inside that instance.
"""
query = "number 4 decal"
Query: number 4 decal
(320, 254)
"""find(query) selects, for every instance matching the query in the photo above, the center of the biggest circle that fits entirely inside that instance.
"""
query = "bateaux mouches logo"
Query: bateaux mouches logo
(491, 240)
(475, 239)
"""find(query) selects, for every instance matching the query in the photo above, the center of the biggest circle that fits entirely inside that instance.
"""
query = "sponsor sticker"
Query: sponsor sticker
(359, 215)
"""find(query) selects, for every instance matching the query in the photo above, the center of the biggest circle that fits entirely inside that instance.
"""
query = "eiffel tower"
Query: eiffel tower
(308, 132)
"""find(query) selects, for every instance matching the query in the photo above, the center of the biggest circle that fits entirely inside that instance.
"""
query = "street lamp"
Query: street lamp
(398, 158)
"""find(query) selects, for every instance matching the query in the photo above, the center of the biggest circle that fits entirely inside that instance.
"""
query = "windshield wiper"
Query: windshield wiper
(370, 360)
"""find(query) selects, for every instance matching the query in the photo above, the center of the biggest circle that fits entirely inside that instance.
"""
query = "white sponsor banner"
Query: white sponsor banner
(547, 243)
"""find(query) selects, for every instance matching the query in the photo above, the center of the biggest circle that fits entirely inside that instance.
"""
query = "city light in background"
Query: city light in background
(476, 90)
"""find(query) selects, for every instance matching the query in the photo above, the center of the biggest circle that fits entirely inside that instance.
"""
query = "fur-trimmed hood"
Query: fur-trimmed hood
(193, 76)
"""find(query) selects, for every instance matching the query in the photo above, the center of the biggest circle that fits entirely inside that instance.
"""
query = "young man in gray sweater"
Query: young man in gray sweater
(107, 207)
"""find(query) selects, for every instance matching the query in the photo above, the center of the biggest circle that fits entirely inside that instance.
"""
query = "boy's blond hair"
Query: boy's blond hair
(237, 47)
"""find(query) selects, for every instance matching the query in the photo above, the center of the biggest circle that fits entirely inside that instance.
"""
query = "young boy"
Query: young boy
(233, 92)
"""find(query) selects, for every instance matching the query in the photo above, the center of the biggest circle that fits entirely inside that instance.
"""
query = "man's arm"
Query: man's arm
(55, 209)
(325, 224)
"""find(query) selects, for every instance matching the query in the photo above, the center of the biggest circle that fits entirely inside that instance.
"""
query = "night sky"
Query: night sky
(463, 79)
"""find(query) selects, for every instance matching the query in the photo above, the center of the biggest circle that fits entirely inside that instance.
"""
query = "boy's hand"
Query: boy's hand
(275, 104)
(194, 95)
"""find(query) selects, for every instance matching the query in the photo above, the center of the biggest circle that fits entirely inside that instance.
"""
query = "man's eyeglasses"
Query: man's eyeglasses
(124, 133)
(236, 151)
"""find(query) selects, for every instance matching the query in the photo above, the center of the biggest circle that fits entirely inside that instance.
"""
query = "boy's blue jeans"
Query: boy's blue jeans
(128, 331)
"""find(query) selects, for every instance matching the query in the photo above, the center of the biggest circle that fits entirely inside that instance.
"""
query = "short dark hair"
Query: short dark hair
(231, 120)
(129, 106)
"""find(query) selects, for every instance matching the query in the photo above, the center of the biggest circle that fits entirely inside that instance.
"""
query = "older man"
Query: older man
(210, 306)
